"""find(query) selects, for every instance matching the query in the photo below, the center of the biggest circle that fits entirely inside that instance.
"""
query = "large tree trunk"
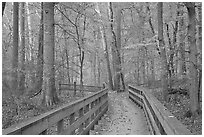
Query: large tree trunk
(193, 81)
(200, 52)
(103, 33)
(50, 96)
(22, 49)
(108, 61)
(114, 45)
(118, 50)
(163, 51)
(14, 74)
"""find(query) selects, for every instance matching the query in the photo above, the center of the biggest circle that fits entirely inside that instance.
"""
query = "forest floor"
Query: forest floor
(123, 117)
(178, 107)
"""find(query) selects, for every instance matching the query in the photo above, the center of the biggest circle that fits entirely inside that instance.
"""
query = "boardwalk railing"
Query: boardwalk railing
(160, 120)
(77, 87)
(75, 118)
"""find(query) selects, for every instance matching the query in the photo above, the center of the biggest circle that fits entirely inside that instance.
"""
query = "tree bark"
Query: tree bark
(99, 70)
(3, 7)
(22, 49)
(30, 42)
(181, 52)
(103, 33)
(67, 59)
(163, 51)
(39, 74)
(50, 96)
(200, 52)
(193, 81)
(118, 50)
(113, 45)
(14, 74)
(67, 51)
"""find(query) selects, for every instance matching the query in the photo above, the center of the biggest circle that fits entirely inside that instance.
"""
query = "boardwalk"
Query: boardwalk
(123, 118)
(105, 113)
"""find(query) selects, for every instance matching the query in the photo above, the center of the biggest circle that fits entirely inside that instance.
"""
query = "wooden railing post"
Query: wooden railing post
(59, 87)
(81, 113)
(92, 116)
(87, 121)
(75, 88)
(60, 126)
(44, 132)
(71, 121)
(104, 85)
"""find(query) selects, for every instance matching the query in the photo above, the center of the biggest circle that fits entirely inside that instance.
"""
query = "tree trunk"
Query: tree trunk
(81, 70)
(181, 52)
(118, 50)
(170, 63)
(193, 81)
(108, 61)
(39, 74)
(99, 70)
(29, 33)
(103, 33)
(67, 58)
(22, 49)
(153, 33)
(3, 7)
(49, 46)
(14, 74)
(152, 69)
(114, 45)
(67, 51)
(200, 51)
(163, 51)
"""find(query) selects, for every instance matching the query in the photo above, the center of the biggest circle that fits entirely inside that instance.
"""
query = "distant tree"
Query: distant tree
(22, 48)
(181, 51)
(14, 76)
(39, 74)
(50, 95)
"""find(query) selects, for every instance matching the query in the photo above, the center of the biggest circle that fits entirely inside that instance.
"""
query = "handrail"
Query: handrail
(63, 86)
(160, 120)
(77, 117)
